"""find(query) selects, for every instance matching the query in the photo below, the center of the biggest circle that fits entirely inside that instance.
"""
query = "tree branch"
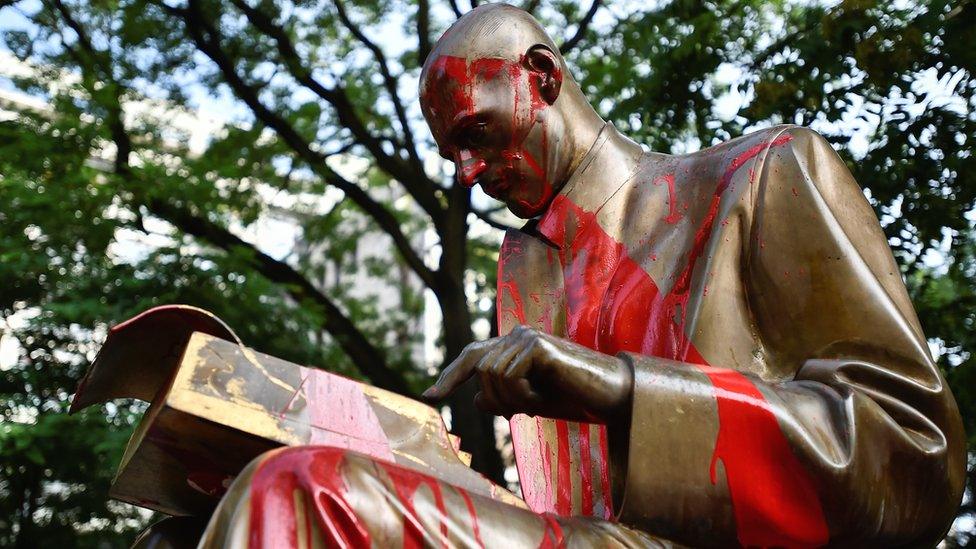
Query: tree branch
(756, 64)
(581, 29)
(531, 6)
(415, 180)
(389, 82)
(423, 31)
(455, 8)
(367, 358)
(206, 39)
(90, 60)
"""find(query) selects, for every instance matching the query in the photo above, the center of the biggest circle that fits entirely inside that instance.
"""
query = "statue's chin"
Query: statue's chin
(525, 211)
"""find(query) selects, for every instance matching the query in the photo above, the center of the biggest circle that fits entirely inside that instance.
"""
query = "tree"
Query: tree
(310, 84)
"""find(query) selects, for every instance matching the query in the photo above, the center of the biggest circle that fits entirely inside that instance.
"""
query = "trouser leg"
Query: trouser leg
(328, 497)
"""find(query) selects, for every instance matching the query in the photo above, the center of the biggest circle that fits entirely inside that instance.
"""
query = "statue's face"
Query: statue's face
(487, 117)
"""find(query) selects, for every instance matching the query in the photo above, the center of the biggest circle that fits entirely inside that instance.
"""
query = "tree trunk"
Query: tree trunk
(476, 428)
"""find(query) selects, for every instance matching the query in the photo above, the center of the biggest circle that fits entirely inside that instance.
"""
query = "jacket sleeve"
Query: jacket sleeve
(859, 442)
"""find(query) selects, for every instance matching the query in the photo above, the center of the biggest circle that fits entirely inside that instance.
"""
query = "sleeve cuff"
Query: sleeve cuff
(667, 458)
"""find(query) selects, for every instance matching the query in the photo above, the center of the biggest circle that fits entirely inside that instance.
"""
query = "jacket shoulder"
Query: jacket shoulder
(787, 135)
(751, 152)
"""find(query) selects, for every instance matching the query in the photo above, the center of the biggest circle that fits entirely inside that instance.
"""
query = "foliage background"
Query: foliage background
(108, 206)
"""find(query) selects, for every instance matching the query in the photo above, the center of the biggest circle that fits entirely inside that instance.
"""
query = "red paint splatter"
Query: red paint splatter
(473, 515)
(453, 97)
(470, 169)
(553, 536)
(510, 286)
(774, 497)
(605, 473)
(673, 215)
(586, 470)
(564, 486)
(406, 483)
(676, 301)
(545, 317)
(546, 464)
(294, 396)
(316, 472)
(341, 415)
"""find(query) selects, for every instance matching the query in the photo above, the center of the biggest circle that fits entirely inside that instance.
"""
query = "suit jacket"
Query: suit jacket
(784, 393)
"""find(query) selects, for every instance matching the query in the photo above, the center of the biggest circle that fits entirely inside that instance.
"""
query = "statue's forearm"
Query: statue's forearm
(600, 385)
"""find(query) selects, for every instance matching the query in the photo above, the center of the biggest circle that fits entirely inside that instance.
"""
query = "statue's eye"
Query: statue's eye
(475, 135)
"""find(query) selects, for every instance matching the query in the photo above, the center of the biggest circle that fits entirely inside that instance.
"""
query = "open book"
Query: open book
(216, 404)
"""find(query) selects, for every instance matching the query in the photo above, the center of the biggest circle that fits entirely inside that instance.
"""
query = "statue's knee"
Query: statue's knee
(304, 463)
(314, 469)
(305, 485)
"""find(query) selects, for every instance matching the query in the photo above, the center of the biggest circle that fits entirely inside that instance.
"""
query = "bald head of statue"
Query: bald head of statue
(502, 107)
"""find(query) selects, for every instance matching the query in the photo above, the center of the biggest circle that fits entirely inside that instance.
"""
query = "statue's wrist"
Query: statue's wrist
(624, 389)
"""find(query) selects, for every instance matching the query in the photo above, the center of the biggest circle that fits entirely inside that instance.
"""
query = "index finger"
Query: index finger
(457, 372)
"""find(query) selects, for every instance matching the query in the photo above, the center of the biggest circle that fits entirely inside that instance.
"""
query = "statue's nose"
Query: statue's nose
(469, 168)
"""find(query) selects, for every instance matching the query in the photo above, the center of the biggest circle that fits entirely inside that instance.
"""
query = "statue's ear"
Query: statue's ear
(545, 64)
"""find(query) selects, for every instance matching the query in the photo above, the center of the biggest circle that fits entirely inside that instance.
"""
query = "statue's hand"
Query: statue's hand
(538, 374)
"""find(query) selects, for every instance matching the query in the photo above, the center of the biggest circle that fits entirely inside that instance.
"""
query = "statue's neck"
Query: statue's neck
(611, 162)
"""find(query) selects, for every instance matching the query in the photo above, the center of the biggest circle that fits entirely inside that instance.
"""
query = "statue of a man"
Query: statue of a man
(712, 349)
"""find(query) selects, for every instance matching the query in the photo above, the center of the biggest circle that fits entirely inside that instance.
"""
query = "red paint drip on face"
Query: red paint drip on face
(613, 305)
(315, 472)
(455, 76)
(517, 151)
(450, 96)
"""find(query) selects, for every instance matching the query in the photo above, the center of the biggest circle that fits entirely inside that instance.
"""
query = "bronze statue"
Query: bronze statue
(705, 349)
